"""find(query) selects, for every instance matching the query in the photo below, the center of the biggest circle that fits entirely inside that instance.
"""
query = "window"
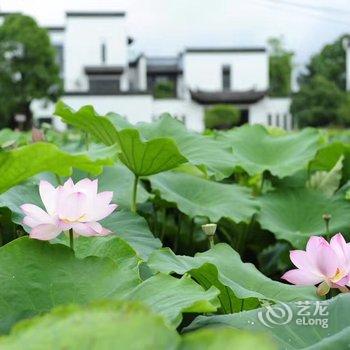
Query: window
(101, 84)
(103, 53)
(59, 57)
(269, 119)
(226, 77)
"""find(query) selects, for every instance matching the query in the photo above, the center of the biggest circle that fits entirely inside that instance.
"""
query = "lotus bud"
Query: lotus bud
(327, 217)
(37, 135)
(209, 229)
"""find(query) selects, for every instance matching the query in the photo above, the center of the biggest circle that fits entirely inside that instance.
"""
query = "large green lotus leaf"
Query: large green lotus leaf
(111, 246)
(241, 285)
(36, 276)
(256, 150)
(19, 164)
(195, 196)
(131, 227)
(200, 150)
(120, 325)
(170, 296)
(296, 214)
(100, 326)
(134, 230)
(311, 326)
(141, 157)
(327, 156)
(327, 182)
(226, 339)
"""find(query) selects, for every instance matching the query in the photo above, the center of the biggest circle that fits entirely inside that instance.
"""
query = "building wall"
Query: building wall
(276, 108)
(189, 112)
(136, 108)
(83, 40)
(203, 71)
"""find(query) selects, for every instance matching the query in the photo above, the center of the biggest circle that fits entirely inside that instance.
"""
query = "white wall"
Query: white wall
(189, 112)
(249, 70)
(274, 106)
(83, 40)
(136, 108)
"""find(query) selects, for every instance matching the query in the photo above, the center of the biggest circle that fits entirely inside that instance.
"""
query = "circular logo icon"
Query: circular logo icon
(273, 315)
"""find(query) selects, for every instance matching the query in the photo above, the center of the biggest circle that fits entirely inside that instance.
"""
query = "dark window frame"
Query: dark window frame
(226, 77)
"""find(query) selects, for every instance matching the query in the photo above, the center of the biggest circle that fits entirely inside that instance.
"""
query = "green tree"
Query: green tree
(329, 63)
(221, 117)
(317, 103)
(28, 69)
(164, 89)
(280, 68)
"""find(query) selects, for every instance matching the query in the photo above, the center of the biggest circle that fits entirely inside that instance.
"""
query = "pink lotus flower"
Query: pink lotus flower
(322, 262)
(71, 206)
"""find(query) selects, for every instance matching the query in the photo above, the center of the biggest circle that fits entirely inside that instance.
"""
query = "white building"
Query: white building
(93, 54)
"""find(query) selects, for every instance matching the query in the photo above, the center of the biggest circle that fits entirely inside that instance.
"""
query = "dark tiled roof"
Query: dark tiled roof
(224, 49)
(104, 70)
(238, 97)
(170, 69)
(165, 65)
(95, 14)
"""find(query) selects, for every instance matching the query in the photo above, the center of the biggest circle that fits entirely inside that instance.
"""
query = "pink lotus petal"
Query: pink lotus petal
(36, 213)
(343, 282)
(45, 232)
(301, 277)
(326, 260)
(73, 207)
(29, 221)
(68, 185)
(100, 210)
(84, 229)
(48, 196)
(300, 259)
(87, 186)
(342, 250)
(90, 229)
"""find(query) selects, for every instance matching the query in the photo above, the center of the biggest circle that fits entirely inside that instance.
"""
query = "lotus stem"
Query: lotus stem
(209, 230)
(134, 194)
(58, 179)
(71, 239)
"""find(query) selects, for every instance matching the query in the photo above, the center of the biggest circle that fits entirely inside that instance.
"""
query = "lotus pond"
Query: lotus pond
(150, 236)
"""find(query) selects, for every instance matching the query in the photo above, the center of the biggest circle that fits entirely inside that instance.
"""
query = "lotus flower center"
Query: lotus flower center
(70, 220)
(339, 274)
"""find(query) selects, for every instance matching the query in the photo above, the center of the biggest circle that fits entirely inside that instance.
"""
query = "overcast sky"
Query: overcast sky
(165, 27)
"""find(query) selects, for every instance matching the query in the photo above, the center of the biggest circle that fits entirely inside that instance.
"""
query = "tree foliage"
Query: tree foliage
(221, 117)
(27, 65)
(330, 63)
(280, 68)
(317, 103)
(321, 100)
